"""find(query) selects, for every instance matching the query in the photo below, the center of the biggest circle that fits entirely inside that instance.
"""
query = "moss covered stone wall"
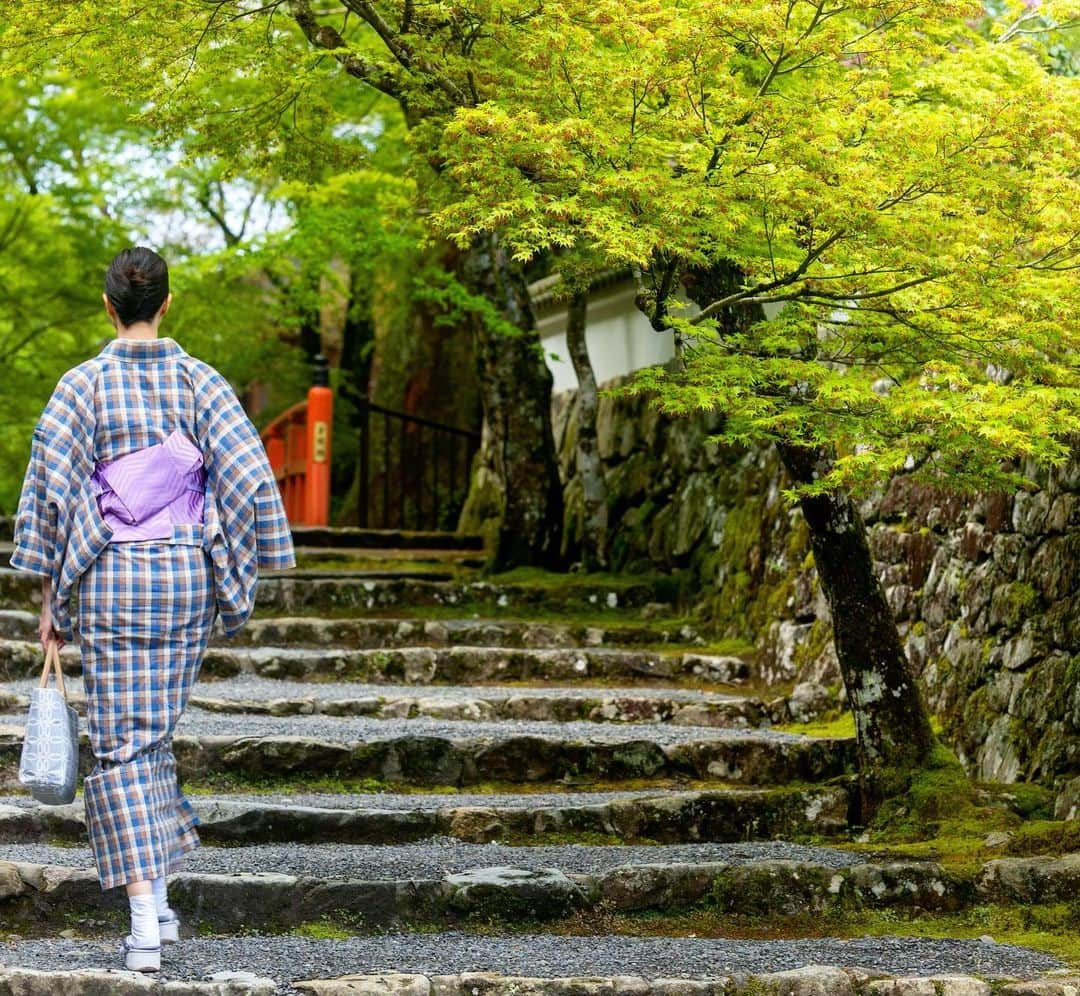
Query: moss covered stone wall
(986, 590)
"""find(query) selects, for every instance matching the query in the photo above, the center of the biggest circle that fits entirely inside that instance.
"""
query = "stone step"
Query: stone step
(437, 882)
(425, 751)
(308, 592)
(317, 594)
(356, 539)
(419, 557)
(460, 964)
(674, 817)
(256, 695)
(376, 634)
(432, 665)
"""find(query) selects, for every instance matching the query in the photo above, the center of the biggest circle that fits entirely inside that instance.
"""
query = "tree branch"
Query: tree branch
(752, 292)
(380, 77)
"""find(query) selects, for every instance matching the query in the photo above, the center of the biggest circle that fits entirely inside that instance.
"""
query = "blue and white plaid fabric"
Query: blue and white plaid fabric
(145, 614)
(145, 608)
(133, 394)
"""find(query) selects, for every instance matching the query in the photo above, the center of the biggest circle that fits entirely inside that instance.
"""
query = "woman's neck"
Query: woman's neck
(140, 330)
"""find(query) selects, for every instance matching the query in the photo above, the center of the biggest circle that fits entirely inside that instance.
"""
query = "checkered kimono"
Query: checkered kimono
(145, 608)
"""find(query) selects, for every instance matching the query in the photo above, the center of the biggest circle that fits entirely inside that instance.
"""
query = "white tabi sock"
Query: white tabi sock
(144, 921)
(161, 898)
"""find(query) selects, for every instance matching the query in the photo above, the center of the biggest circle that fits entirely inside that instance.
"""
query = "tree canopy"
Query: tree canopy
(897, 180)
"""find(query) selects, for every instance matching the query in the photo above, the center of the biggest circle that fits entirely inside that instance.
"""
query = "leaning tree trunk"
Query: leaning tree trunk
(892, 723)
(891, 719)
(515, 498)
(589, 469)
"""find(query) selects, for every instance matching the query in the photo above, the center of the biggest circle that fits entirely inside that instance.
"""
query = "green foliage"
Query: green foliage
(61, 160)
(266, 219)
(891, 186)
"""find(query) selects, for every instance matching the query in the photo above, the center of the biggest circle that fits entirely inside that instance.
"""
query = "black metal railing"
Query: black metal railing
(414, 471)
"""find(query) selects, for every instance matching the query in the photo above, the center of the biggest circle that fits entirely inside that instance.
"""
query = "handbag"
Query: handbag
(50, 753)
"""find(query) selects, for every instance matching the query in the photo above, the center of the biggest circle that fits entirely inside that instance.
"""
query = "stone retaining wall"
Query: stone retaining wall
(986, 589)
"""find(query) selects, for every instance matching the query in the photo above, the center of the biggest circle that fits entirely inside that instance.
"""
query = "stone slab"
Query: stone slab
(255, 695)
(371, 633)
(670, 817)
(484, 886)
(426, 753)
(422, 665)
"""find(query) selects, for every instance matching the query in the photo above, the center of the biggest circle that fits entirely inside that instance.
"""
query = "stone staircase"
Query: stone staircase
(413, 780)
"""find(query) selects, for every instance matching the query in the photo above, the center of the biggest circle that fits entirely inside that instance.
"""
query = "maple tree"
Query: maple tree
(874, 206)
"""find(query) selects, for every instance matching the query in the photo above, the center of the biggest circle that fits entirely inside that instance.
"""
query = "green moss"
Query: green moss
(1054, 929)
(1030, 802)
(941, 787)
(666, 628)
(338, 562)
(810, 648)
(830, 725)
(937, 791)
(323, 930)
(1016, 602)
(1045, 837)
(537, 577)
(590, 838)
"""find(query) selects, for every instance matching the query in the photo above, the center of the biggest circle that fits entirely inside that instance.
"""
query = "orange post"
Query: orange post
(298, 445)
(320, 415)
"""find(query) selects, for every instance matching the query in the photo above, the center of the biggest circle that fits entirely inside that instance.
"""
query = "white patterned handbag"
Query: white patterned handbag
(50, 753)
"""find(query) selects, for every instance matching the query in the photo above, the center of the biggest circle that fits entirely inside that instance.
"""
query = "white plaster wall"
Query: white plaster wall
(619, 338)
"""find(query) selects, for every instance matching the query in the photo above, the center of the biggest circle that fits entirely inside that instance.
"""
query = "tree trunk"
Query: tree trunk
(516, 497)
(357, 348)
(589, 469)
(892, 723)
(891, 719)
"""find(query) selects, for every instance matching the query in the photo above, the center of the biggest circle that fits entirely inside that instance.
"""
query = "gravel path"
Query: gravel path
(425, 801)
(259, 688)
(196, 722)
(440, 856)
(289, 958)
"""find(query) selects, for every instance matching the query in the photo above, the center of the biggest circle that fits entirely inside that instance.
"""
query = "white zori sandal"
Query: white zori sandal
(170, 929)
(140, 959)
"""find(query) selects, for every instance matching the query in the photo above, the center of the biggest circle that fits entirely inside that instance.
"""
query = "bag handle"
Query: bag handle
(52, 659)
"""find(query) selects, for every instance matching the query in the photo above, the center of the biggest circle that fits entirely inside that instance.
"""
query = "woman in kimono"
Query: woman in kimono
(149, 489)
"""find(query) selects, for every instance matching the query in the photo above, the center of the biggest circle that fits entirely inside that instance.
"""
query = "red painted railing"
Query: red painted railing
(298, 445)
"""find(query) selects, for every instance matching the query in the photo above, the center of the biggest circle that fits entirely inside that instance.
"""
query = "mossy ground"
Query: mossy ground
(667, 628)
(829, 726)
(1054, 929)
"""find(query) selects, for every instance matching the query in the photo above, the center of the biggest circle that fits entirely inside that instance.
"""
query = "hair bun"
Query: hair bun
(136, 283)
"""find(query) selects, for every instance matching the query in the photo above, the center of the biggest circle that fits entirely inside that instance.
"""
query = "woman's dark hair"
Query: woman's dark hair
(136, 283)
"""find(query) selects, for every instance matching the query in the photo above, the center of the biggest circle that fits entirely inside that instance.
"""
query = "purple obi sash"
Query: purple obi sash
(143, 494)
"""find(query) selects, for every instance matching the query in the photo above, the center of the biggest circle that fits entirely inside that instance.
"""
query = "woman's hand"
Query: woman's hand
(46, 630)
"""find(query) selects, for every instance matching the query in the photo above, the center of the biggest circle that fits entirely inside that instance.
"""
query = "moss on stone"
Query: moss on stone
(323, 930)
(1016, 602)
(937, 791)
(831, 726)
(1045, 837)
(1053, 928)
